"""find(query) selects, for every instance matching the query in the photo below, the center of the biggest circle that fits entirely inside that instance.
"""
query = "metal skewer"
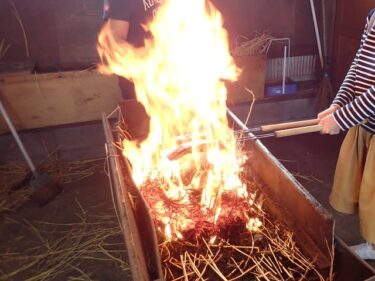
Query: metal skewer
(272, 127)
(263, 128)
(279, 131)
(201, 145)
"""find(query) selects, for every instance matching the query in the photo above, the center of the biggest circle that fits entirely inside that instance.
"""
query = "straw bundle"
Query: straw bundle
(249, 47)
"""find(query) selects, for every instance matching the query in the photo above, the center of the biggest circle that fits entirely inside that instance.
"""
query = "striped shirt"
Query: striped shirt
(356, 97)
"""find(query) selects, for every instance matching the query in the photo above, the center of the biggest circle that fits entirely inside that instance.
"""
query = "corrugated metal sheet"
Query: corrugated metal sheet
(302, 67)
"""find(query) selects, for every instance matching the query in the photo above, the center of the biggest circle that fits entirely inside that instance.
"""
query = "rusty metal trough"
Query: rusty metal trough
(285, 198)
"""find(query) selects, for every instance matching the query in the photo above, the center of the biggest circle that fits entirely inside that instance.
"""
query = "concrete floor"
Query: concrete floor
(64, 240)
(77, 234)
(311, 158)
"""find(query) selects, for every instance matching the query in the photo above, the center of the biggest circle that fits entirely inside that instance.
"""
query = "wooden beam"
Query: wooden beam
(42, 100)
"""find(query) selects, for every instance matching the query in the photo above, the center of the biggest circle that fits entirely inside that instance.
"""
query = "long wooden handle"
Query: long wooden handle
(298, 131)
(288, 125)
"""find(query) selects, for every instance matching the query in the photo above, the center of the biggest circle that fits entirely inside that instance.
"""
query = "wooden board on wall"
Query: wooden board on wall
(42, 100)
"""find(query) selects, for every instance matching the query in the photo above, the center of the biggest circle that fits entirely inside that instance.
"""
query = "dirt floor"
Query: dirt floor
(77, 236)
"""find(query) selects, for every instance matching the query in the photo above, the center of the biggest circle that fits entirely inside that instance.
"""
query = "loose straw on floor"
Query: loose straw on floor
(62, 248)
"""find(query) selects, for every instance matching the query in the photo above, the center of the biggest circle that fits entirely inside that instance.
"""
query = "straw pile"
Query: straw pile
(250, 47)
(64, 250)
(270, 254)
(86, 247)
(15, 178)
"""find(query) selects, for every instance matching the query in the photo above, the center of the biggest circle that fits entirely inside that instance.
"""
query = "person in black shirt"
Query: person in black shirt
(125, 19)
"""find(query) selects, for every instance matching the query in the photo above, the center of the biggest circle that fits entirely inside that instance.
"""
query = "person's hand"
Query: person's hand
(330, 125)
(328, 111)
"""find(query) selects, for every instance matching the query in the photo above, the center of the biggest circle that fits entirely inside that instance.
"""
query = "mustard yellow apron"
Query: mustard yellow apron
(354, 182)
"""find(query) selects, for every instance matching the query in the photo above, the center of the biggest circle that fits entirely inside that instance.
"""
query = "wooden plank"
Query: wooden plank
(41, 100)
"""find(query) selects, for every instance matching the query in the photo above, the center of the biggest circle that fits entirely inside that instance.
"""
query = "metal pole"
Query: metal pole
(317, 33)
(17, 139)
(284, 71)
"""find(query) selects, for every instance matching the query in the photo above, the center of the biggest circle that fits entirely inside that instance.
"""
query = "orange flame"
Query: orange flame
(179, 77)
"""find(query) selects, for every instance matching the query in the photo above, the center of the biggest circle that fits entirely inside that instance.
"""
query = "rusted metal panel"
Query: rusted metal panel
(135, 221)
(289, 202)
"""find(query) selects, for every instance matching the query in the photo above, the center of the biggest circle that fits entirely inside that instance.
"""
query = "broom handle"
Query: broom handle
(288, 125)
(317, 34)
(298, 131)
(17, 138)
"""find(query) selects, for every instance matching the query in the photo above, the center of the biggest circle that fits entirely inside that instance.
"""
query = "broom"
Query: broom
(325, 91)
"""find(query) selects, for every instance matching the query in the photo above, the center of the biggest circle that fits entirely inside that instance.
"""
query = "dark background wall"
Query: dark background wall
(350, 22)
(283, 18)
(62, 33)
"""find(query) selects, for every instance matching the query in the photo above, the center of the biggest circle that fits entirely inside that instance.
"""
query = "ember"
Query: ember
(230, 248)
(185, 216)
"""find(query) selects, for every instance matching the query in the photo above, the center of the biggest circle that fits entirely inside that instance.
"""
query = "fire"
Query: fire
(179, 77)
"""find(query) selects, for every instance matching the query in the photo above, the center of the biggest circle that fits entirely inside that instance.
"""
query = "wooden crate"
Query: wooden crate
(50, 99)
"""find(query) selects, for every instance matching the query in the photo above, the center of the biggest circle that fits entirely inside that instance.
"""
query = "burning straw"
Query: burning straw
(228, 249)
(188, 167)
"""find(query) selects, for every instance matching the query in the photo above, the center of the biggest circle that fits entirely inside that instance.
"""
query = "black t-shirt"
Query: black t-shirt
(136, 12)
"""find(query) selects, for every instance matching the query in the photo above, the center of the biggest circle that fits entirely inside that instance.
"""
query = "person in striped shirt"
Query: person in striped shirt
(353, 110)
